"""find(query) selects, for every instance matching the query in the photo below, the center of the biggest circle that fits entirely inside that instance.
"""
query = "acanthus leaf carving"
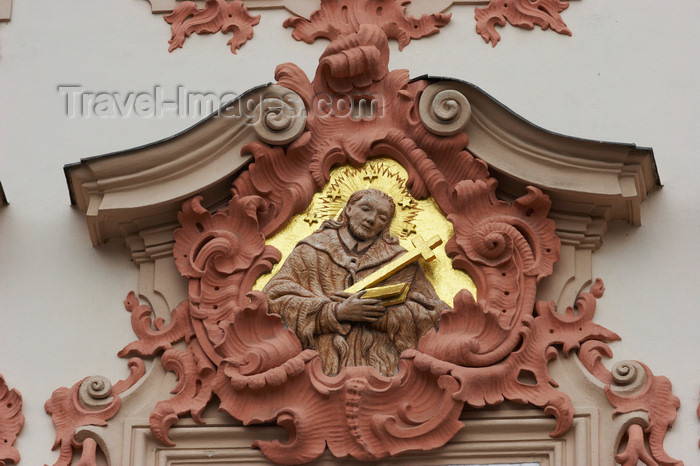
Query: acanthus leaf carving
(506, 249)
(68, 411)
(194, 372)
(656, 398)
(154, 335)
(521, 13)
(11, 422)
(541, 335)
(338, 18)
(631, 386)
(217, 15)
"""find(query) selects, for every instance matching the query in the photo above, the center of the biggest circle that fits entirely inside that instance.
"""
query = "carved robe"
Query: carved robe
(324, 264)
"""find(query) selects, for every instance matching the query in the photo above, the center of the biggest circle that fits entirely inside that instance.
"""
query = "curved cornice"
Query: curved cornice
(124, 192)
(583, 177)
(128, 191)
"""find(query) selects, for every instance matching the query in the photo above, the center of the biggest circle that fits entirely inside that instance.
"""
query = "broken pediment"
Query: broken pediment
(600, 180)
(524, 209)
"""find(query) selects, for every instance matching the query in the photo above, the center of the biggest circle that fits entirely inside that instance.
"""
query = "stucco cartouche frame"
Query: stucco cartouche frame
(337, 17)
(136, 195)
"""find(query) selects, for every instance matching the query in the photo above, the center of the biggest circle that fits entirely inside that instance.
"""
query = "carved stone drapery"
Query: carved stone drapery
(484, 353)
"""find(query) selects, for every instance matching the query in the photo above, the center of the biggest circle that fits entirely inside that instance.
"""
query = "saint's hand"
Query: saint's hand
(355, 308)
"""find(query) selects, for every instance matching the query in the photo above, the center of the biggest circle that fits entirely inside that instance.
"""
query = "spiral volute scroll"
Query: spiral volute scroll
(628, 377)
(280, 116)
(95, 392)
(444, 111)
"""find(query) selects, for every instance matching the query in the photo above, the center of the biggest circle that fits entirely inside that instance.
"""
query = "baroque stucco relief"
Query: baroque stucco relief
(11, 422)
(510, 346)
(338, 17)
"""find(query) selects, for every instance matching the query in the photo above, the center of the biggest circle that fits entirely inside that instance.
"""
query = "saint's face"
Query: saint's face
(368, 217)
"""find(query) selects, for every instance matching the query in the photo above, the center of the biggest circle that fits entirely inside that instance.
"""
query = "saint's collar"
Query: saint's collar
(330, 240)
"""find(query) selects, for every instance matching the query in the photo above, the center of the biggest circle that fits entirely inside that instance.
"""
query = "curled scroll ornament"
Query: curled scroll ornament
(92, 401)
(279, 117)
(95, 392)
(444, 111)
(628, 377)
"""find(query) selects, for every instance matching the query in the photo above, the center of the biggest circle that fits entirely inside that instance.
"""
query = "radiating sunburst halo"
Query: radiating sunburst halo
(413, 217)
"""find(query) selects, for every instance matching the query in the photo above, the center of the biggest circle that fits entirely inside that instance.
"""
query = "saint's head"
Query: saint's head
(367, 215)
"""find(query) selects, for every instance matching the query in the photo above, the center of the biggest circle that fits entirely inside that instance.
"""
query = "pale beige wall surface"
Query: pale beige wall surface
(628, 74)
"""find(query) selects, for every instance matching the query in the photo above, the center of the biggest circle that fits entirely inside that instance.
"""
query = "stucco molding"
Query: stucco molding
(482, 440)
(334, 18)
(129, 191)
(217, 338)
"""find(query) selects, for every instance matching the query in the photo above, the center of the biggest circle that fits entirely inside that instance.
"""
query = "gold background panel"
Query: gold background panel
(413, 217)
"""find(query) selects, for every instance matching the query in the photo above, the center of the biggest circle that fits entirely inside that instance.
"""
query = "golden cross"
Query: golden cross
(370, 177)
(422, 249)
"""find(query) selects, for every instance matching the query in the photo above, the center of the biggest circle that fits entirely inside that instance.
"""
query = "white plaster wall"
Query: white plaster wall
(628, 74)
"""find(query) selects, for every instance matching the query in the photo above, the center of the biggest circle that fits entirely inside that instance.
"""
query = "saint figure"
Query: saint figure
(347, 329)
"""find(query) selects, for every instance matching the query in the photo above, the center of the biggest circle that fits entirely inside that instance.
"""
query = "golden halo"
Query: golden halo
(376, 175)
(413, 217)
